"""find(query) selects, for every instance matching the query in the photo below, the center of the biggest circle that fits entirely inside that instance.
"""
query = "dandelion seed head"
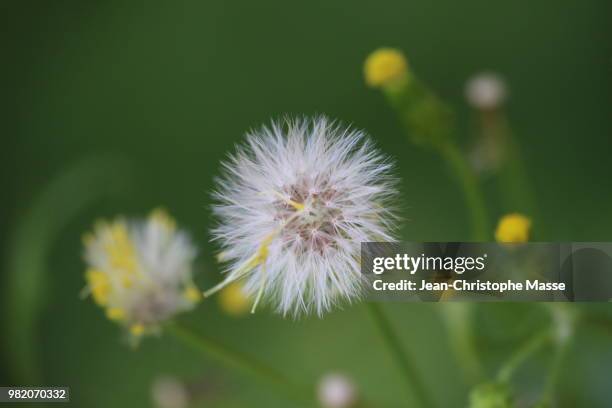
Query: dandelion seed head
(140, 271)
(385, 66)
(486, 91)
(513, 228)
(293, 206)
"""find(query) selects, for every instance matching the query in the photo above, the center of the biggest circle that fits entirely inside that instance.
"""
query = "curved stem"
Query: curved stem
(24, 286)
(405, 363)
(522, 354)
(239, 360)
(429, 122)
(472, 195)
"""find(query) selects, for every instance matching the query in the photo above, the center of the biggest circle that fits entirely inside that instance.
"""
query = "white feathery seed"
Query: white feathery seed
(294, 204)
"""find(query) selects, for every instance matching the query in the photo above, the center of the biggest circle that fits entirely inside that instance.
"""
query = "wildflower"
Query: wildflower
(233, 300)
(385, 66)
(140, 272)
(486, 91)
(336, 391)
(513, 228)
(294, 205)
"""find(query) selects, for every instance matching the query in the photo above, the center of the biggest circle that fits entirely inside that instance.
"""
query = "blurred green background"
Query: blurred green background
(124, 106)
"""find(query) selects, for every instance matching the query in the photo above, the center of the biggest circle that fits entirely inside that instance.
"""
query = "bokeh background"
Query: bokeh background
(118, 107)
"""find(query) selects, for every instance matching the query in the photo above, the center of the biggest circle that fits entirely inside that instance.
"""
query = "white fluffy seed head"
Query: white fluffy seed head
(485, 91)
(294, 204)
(140, 271)
(336, 391)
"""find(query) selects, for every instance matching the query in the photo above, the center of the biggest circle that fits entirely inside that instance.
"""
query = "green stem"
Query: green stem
(471, 191)
(406, 364)
(564, 319)
(429, 122)
(522, 354)
(513, 181)
(458, 320)
(515, 189)
(555, 372)
(239, 360)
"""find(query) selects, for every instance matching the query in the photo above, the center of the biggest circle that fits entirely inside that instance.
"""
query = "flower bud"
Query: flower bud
(513, 228)
(385, 66)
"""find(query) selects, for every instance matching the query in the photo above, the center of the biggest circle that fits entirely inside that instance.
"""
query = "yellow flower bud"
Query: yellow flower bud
(513, 228)
(233, 301)
(385, 66)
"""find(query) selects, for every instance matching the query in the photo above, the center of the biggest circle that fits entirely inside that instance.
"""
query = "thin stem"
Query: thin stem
(429, 122)
(239, 360)
(471, 191)
(564, 320)
(555, 371)
(514, 184)
(406, 364)
(522, 354)
(458, 320)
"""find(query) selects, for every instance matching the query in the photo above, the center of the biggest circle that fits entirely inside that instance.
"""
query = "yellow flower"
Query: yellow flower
(233, 301)
(513, 228)
(385, 66)
(140, 271)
